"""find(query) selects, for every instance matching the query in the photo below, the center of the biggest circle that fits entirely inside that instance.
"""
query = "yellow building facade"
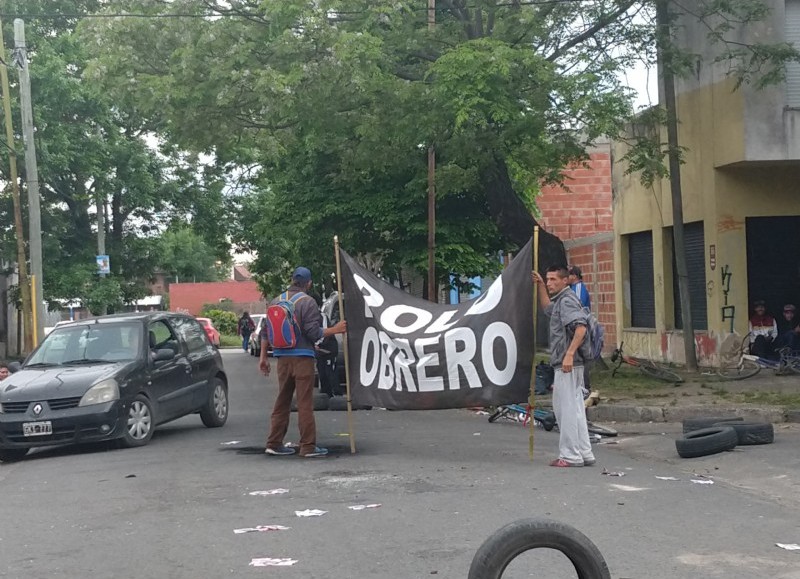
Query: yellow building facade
(741, 204)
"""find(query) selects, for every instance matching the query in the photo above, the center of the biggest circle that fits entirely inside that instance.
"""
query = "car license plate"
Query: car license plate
(37, 428)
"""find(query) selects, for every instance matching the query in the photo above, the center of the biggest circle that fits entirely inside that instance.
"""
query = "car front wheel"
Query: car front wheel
(139, 423)
(215, 413)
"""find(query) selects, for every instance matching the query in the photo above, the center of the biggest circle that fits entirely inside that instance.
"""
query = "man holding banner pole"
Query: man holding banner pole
(568, 327)
(296, 366)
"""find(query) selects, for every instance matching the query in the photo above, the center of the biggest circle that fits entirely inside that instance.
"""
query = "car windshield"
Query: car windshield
(88, 344)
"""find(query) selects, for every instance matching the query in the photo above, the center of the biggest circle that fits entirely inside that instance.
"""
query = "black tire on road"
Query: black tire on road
(692, 424)
(706, 441)
(338, 403)
(12, 454)
(215, 412)
(752, 433)
(497, 552)
(321, 401)
(139, 422)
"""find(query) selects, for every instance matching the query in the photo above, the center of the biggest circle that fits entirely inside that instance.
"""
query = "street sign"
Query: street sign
(103, 265)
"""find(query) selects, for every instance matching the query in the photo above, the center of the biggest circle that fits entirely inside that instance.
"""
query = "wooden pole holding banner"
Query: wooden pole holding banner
(531, 399)
(344, 346)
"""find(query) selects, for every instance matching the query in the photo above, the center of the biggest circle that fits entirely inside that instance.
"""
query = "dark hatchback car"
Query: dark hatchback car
(112, 377)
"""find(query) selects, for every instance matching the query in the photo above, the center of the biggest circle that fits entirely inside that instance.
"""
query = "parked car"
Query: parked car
(211, 331)
(255, 341)
(112, 377)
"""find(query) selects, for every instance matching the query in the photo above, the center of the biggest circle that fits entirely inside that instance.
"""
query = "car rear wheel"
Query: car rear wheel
(139, 424)
(12, 454)
(215, 413)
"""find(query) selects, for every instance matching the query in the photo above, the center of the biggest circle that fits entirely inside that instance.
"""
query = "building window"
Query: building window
(792, 30)
(640, 267)
(694, 240)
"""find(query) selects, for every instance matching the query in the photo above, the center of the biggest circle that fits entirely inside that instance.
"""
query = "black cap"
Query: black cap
(576, 271)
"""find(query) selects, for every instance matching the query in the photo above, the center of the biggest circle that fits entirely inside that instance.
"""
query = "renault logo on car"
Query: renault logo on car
(37, 409)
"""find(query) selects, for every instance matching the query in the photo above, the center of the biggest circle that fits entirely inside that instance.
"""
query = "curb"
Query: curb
(631, 413)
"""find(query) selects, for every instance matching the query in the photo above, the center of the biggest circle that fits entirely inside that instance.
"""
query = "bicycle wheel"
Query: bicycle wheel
(659, 373)
(790, 364)
(601, 430)
(745, 369)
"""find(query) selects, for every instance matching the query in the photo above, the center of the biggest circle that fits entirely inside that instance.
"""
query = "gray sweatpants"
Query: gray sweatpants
(573, 442)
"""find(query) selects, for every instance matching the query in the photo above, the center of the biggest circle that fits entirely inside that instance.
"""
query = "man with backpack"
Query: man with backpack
(570, 347)
(293, 325)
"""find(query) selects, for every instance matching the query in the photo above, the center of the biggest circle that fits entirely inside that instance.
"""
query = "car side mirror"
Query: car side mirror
(14, 367)
(163, 355)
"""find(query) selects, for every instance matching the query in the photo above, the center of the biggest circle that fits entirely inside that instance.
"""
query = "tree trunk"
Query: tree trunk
(117, 223)
(513, 218)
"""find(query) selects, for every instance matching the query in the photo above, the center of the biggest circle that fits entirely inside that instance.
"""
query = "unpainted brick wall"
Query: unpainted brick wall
(600, 282)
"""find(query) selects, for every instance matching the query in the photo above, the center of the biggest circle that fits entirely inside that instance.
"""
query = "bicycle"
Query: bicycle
(646, 367)
(749, 365)
(544, 418)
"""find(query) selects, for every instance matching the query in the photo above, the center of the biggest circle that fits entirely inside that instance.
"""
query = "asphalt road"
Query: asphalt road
(445, 481)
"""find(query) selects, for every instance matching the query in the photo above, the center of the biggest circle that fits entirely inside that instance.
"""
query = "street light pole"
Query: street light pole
(22, 260)
(31, 170)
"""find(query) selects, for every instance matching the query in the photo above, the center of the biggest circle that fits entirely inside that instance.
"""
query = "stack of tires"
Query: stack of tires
(709, 435)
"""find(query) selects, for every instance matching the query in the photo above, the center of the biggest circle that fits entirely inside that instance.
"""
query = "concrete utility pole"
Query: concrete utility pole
(31, 170)
(22, 260)
(664, 42)
(432, 293)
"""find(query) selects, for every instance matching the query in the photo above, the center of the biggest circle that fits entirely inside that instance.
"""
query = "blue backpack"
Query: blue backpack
(592, 346)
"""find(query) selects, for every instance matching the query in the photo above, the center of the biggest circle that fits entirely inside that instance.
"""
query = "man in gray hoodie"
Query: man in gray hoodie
(296, 369)
(568, 327)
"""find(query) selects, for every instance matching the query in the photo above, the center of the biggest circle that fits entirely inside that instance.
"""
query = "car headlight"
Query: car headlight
(104, 391)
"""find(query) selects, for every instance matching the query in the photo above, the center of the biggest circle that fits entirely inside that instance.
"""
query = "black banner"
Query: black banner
(409, 354)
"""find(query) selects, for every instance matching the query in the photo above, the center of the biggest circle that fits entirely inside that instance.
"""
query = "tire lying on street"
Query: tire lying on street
(338, 403)
(752, 433)
(692, 424)
(706, 441)
(497, 552)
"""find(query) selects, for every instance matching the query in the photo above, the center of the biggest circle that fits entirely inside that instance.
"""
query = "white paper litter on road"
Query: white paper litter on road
(267, 562)
(702, 482)
(609, 473)
(667, 478)
(362, 507)
(476, 434)
(310, 513)
(628, 489)
(267, 493)
(261, 529)
(789, 547)
(230, 442)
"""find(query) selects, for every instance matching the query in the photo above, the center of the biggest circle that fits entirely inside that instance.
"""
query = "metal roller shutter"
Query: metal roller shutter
(694, 239)
(643, 299)
(792, 31)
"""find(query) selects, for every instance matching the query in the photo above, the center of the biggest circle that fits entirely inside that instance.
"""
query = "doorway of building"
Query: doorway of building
(773, 261)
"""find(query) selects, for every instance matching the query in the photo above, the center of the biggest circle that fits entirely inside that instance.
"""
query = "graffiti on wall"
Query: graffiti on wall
(728, 311)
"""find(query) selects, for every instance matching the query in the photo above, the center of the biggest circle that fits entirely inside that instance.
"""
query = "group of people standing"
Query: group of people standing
(769, 335)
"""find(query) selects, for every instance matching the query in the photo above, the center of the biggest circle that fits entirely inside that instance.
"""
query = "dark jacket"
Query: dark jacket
(309, 324)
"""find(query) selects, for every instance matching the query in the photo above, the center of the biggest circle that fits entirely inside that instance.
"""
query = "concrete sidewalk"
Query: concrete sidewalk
(702, 394)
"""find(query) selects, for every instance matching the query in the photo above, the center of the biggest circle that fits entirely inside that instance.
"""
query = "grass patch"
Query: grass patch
(229, 341)
(785, 399)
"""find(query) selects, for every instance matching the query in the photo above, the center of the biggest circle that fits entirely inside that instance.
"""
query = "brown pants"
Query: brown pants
(295, 373)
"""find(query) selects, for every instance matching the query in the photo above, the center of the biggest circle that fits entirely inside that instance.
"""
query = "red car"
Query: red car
(211, 331)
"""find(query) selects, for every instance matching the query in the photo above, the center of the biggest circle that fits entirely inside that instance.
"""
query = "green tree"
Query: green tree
(93, 149)
(184, 254)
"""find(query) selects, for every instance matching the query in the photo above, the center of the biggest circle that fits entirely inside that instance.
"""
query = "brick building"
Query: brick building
(580, 214)
(191, 297)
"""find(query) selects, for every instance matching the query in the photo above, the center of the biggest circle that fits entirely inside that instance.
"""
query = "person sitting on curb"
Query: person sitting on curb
(568, 327)
(788, 329)
(763, 331)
